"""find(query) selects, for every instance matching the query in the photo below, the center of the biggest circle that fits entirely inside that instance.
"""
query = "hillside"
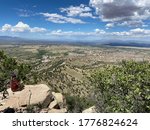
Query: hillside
(75, 72)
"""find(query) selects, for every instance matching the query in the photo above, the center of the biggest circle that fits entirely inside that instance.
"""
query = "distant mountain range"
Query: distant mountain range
(8, 38)
(111, 42)
(130, 44)
(17, 40)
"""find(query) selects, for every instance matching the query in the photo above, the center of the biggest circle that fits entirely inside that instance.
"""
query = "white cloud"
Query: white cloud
(21, 27)
(56, 18)
(99, 31)
(6, 27)
(134, 23)
(137, 32)
(96, 32)
(109, 25)
(37, 29)
(82, 11)
(121, 11)
(88, 14)
(124, 33)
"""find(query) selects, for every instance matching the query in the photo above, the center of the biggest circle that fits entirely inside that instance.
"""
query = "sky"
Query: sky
(78, 20)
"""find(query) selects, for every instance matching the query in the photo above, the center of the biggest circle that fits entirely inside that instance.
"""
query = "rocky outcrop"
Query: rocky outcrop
(38, 98)
(90, 110)
(30, 95)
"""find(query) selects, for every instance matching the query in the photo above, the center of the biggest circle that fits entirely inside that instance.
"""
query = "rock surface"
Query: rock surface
(34, 98)
(30, 95)
(59, 99)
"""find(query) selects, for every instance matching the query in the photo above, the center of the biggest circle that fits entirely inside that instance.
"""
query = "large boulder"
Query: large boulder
(30, 95)
(90, 110)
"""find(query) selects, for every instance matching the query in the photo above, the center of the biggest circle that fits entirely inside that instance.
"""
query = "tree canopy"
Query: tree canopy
(123, 88)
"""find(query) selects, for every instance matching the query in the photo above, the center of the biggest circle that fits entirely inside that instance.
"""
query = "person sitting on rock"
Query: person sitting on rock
(14, 83)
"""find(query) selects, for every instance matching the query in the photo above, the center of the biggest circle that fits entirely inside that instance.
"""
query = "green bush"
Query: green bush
(77, 104)
(41, 53)
(123, 88)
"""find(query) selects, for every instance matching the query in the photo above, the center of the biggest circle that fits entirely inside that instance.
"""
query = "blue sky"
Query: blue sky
(76, 19)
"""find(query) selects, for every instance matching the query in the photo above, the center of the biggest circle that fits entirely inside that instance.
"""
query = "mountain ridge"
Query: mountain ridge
(109, 42)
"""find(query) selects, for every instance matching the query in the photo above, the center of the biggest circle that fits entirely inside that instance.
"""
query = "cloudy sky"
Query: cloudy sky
(76, 19)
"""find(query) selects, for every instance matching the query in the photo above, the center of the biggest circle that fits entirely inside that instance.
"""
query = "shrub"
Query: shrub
(77, 104)
(9, 65)
(41, 53)
(123, 88)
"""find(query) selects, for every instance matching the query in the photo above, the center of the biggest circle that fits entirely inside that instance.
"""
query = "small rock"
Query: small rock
(45, 110)
(63, 110)
(90, 110)
(9, 110)
(53, 104)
